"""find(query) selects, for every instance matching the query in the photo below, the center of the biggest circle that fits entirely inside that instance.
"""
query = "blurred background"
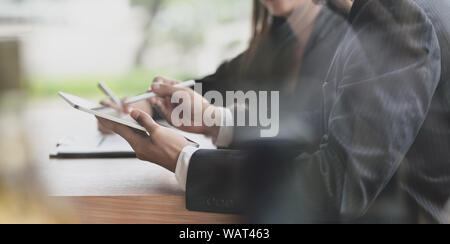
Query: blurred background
(72, 44)
(48, 46)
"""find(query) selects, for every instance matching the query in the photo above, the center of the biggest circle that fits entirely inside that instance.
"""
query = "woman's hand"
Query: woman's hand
(165, 90)
(162, 146)
(126, 109)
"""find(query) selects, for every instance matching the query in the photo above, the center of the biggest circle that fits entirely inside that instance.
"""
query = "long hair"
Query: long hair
(261, 24)
(261, 21)
(257, 63)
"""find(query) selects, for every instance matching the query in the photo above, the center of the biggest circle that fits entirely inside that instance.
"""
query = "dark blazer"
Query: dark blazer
(267, 72)
(271, 67)
(425, 171)
(385, 115)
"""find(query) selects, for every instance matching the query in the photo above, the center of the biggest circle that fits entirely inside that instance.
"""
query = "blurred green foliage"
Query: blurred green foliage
(185, 24)
(129, 84)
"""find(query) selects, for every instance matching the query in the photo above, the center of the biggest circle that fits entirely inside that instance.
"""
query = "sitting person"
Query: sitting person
(385, 100)
(290, 40)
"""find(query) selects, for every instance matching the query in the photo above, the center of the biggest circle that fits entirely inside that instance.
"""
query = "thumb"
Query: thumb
(162, 89)
(144, 119)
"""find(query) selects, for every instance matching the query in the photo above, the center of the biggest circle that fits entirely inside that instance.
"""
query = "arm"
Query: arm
(222, 80)
(385, 78)
(215, 181)
(381, 87)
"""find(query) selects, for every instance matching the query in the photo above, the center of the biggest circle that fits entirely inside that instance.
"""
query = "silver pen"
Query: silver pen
(110, 94)
(149, 95)
(115, 100)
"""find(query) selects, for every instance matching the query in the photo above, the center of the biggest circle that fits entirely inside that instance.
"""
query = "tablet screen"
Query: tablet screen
(100, 111)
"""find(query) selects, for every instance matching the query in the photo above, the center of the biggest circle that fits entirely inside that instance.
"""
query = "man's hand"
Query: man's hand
(126, 109)
(162, 146)
(165, 90)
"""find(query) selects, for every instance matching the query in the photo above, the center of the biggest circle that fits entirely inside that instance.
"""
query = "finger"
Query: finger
(106, 103)
(153, 100)
(172, 82)
(109, 103)
(157, 81)
(102, 129)
(104, 123)
(145, 120)
(163, 89)
(127, 108)
(158, 103)
(160, 79)
(156, 100)
(122, 130)
(165, 109)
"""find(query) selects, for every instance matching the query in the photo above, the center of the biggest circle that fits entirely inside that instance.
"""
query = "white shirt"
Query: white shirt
(224, 139)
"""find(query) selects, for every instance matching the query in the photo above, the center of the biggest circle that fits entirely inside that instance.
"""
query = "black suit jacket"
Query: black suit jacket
(385, 112)
(425, 171)
(267, 71)
(270, 68)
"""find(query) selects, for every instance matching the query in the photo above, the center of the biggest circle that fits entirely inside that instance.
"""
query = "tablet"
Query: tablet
(100, 111)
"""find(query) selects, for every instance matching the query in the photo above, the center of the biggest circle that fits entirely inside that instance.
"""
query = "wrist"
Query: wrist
(213, 131)
(176, 154)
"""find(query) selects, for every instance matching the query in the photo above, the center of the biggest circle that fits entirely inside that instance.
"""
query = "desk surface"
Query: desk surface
(107, 190)
(156, 209)
(107, 177)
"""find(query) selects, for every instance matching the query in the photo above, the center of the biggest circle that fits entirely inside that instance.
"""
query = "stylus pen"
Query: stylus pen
(110, 94)
(115, 100)
(149, 95)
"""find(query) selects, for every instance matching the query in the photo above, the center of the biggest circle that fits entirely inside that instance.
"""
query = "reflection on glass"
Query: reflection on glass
(21, 200)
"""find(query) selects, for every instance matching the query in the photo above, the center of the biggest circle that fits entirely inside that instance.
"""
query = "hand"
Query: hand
(126, 109)
(165, 90)
(162, 146)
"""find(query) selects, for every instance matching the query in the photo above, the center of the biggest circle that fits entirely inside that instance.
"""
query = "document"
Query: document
(96, 146)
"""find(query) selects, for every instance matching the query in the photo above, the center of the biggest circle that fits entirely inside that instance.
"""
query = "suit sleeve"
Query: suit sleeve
(222, 80)
(215, 179)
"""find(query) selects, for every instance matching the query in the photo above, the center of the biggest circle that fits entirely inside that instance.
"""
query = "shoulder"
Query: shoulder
(438, 11)
(388, 14)
(331, 22)
(389, 36)
(399, 25)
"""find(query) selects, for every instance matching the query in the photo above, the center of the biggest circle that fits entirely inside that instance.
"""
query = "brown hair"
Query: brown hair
(290, 57)
(261, 21)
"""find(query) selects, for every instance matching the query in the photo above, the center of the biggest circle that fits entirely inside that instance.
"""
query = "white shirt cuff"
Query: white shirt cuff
(225, 136)
(224, 139)
(181, 171)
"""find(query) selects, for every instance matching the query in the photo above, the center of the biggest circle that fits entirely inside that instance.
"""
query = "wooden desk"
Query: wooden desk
(108, 190)
(157, 209)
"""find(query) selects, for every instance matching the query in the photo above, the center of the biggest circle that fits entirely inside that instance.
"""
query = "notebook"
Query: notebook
(97, 146)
